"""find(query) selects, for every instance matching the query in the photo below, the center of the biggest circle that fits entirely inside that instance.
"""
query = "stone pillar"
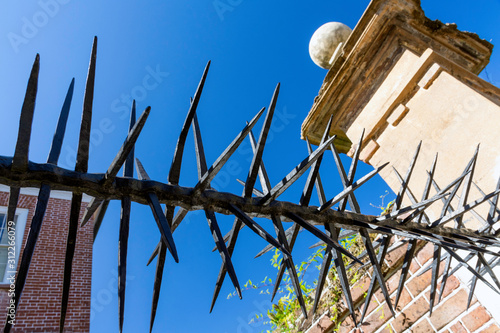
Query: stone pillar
(404, 78)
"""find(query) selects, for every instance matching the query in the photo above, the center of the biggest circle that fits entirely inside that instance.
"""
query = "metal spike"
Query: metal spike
(157, 284)
(82, 160)
(318, 233)
(212, 221)
(278, 226)
(226, 258)
(222, 272)
(155, 253)
(404, 186)
(350, 189)
(100, 213)
(128, 171)
(122, 257)
(410, 253)
(175, 169)
(256, 228)
(43, 197)
(219, 163)
(76, 201)
(435, 273)
(127, 146)
(377, 270)
(380, 260)
(467, 171)
(295, 173)
(257, 158)
(20, 159)
(57, 140)
(118, 161)
(160, 218)
(323, 272)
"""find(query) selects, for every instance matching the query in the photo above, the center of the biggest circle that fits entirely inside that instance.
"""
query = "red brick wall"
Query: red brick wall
(412, 314)
(39, 307)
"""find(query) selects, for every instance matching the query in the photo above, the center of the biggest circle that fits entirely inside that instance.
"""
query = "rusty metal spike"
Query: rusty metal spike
(222, 159)
(295, 173)
(20, 159)
(347, 191)
(160, 218)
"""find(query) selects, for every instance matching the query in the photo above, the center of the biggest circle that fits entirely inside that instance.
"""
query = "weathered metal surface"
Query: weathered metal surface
(18, 172)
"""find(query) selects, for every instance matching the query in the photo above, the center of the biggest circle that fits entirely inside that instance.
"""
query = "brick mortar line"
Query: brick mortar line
(460, 316)
(486, 325)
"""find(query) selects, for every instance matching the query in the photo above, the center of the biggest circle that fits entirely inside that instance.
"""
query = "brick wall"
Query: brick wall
(412, 313)
(39, 307)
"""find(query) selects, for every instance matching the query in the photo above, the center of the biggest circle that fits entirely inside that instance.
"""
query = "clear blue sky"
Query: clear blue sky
(253, 45)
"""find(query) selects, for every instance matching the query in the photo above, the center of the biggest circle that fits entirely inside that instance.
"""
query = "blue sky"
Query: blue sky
(155, 51)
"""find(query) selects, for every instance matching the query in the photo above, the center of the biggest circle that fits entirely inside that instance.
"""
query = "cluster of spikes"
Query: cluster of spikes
(409, 224)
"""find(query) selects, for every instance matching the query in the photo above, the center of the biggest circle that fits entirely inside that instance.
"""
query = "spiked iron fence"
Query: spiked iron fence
(409, 223)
